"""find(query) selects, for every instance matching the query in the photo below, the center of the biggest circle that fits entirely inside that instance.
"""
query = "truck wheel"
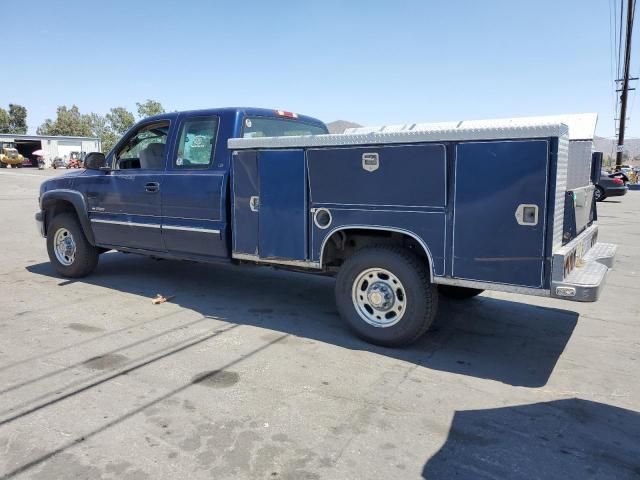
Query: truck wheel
(458, 293)
(385, 295)
(69, 250)
(599, 194)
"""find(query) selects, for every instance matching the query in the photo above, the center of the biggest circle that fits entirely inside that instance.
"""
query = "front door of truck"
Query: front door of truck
(193, 190)
(124, 203)
(500, 211)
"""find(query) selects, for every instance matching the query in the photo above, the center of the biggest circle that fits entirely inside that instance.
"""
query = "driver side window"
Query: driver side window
(145, 149)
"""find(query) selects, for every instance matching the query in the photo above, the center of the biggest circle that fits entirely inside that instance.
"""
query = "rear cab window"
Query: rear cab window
(257, 127)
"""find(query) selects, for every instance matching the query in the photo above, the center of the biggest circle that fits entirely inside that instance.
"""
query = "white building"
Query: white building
(53, 146)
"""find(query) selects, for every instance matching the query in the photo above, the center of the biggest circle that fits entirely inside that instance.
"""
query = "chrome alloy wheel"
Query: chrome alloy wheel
(64, 247)
(379, 297)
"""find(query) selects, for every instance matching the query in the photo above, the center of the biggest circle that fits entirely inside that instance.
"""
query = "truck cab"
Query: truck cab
(164, 187)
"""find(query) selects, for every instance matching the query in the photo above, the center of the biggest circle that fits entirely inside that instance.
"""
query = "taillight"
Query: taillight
(618, 181)
(282, 113)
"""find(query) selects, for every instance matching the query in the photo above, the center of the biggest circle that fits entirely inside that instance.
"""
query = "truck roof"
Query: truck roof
(244, 111)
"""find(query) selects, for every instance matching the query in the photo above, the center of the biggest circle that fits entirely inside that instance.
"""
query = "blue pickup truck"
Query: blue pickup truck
(398, 216)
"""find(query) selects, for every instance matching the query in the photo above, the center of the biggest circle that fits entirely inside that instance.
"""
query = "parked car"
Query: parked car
(59, 163)
(609, 185)
(27, 162)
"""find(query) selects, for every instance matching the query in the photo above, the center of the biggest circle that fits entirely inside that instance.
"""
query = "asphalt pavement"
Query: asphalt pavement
(249, 373)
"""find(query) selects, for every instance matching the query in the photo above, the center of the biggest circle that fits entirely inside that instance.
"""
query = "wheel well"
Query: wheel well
(56, 208)
(342, 243)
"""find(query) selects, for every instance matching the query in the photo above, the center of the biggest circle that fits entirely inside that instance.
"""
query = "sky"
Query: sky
(372, 62)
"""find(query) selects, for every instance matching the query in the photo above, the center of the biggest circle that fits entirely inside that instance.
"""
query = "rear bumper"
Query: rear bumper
(580, 267)
(40, 223)
(616, 191)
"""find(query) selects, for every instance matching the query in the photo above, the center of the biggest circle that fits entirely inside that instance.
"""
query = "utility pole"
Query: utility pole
(625, 82)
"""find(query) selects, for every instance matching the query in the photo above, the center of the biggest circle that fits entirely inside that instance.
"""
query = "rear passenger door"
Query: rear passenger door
(193, 190)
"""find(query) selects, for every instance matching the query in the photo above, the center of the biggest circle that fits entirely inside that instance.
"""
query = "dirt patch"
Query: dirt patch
(81, 327)
(216, 379)
(105, 362)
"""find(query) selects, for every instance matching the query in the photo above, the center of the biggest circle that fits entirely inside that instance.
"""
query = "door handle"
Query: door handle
(254, 203)
(152, 187)
(527, 214)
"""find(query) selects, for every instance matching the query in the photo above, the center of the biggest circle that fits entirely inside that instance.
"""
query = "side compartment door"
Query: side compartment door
(283, 205)
(270, 205)
(245, 187)
(193, 190)
(500, 211)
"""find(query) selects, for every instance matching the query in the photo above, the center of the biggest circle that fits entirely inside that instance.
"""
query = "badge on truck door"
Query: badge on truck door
(370, 161)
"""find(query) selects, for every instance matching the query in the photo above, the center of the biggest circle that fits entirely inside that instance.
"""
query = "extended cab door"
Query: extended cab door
(124, 203)
(193, 190)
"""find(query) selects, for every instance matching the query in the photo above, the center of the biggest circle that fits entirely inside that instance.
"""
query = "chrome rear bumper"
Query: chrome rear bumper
(580, 267)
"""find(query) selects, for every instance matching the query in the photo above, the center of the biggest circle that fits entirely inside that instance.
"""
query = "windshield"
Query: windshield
(256, 127)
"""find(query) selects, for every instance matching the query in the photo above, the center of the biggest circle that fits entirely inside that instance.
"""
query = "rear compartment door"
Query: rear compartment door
(500, 211)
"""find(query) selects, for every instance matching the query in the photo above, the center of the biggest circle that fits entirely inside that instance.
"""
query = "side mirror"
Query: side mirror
(95, 161)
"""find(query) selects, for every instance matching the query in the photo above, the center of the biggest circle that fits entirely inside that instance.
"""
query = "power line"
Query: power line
(612, 39)
(631, 8)
(620, 39)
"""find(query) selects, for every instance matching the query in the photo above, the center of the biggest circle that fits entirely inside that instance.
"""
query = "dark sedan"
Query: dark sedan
(609, 187)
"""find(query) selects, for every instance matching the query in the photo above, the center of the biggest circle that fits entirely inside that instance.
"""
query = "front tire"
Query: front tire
(385, 296)
(599, 194)
(69, 251)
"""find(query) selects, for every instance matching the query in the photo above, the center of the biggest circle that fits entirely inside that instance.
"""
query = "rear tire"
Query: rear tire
(69, 251)
(458, 293)
(599, 194)
(385, 296)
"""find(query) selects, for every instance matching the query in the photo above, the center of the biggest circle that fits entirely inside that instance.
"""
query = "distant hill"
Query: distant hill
(608, 146)
(339, 126)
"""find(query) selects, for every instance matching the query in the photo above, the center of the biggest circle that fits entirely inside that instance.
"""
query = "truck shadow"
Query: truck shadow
(514, 343)
(570, 438)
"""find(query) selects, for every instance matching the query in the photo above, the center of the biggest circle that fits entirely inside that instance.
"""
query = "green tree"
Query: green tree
(149, 108)
(69, 121)
(120, 120)
(17, 119)
(5, 121)
(108, 128)
(101, 128)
